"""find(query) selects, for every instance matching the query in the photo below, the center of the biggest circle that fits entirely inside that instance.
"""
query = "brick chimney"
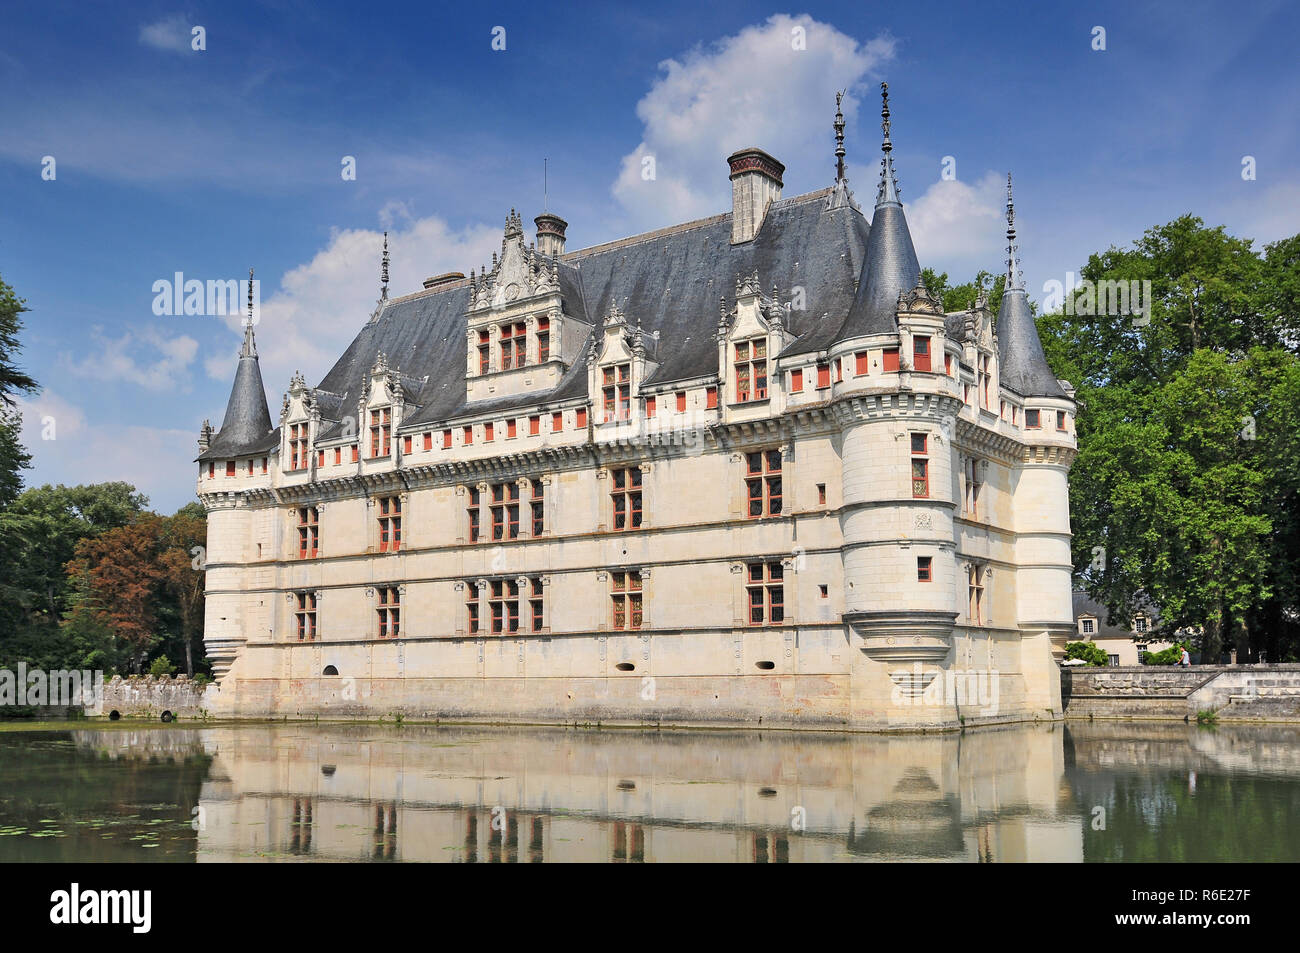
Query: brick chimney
(755, 184)
(550, 234)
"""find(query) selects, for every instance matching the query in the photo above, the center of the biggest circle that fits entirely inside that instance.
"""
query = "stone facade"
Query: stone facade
(585, 517)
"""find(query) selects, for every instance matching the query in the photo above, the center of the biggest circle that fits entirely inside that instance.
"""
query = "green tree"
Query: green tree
(1089, 652)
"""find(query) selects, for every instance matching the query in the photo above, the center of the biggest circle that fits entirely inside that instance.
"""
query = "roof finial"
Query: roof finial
(1014, 276)
(250, 347)
(383, 293)
(546, 187)
(839, 138)
(888, 190)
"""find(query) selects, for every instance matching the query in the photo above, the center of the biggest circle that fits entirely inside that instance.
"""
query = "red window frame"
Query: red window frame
(390, 524)
(580, 418)
(467, 438)
(381, 433)
(920, 466)
(1033, 420)
(388, 607)
(627, 488)
(681, 401)
(627, 611)
(796, 381)
(862, 361)
(649, 407)
(920, 353)
(537, 507)
(750, 365)
(428, 440)
(823, 376)
(557, 422)
(765, 592)
(230, 468)
(710, 398)
(534, 426)
(512, 427)
(924, 569)
(406, 444)
(446, 440)
(488, 430)
(308, 532)
(763, 487)
(305, 616)
(889, 360)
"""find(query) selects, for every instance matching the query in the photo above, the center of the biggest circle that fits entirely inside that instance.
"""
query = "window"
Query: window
(305, 616)
(580, 418)
(505, 511)
(862, 363)
(264, 464)
(467, 436)
(512, 427)
(681, 401)
(751, 370)
(446, 440)
(389, 610)
(839, 371)
(616, 388)
(488, 429)
(514, 345)
(1031, 420)
(484, 354)
(1002, 409)
(1088, 626)
(534, 426)
(763, 483)
(920, 466)
(503, 604)
(973, 487)
(923, 568)
(538, 507)
(406, 445)
(626, 497)
(320, 461)
(1013, 415)
(308, 532)
(975, 591)
(381, 432)
(649, 407)
(625, 594)
(475, 524)
(1060, 420)
(211, 469)
(557, 422)
(823, 376)
(390, 524)
(920, 354)
(1114, 659)
(338, 455)
(890, 359)
(796, 381)
(297, 447)
(821, 493)
(765, 588)
(710, 398)
(947, 364)
(471, 607)
(250, 463)
(428, 441)
(985, 377)
(543, 340)
(535, 603)
(230, 468)
(1140, 624)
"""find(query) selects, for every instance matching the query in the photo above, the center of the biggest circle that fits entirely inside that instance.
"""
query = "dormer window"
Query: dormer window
(751, 370)
(1140, 624)
(484, 353)
(1087, 626)
(514, 345)
(381, 432)
(543, 340)
(297, 447)
(616, 388)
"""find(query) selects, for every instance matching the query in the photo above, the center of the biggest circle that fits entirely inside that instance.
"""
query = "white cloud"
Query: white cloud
(751, 89)
(960, 228)
(171, 34)
(145, 357)
(322, 305)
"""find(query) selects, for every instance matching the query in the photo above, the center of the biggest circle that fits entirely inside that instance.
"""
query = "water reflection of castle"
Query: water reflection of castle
(475, 795)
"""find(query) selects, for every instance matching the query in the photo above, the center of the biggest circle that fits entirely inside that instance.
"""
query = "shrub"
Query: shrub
(1088, 651)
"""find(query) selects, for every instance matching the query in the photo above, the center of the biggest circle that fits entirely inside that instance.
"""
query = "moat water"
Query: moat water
(1079, 792)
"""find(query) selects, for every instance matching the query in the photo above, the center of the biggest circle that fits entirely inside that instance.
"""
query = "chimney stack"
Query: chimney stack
(550, 234)
(755, 184)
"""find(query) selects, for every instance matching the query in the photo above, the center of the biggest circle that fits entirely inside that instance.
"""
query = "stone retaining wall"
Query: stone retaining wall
(149, 696)
(1147, 691)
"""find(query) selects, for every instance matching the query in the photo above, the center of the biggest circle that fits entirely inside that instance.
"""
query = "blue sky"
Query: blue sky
(206, 162)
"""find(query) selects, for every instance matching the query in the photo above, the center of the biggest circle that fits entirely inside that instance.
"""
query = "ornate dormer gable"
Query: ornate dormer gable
(299, 424)
(205, 435)
(617, 364)
(380, 409)
(921, 330)
(750, 337)
(519, 336)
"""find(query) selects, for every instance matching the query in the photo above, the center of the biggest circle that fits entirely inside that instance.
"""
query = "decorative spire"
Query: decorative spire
(1014, 276)
(888, 189)
(839, 138)
(250, 347)
(383, 279)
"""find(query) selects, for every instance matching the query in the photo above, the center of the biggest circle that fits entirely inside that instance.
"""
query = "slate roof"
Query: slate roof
(1084, 604)
(892, 269)
(247, 426)
(1022, 365)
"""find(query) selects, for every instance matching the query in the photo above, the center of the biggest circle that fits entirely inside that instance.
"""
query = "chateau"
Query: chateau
(740, 471)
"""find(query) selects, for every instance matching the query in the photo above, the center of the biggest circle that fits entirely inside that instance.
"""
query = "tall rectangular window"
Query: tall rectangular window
(920, 466)
(471, 607)
(428, 441)
(975, 593)
(390, 524)
(535, 602)
(305, 616)
(308, 532)
(211, 469)
(381, 432)
(921, 354)
(557, 422)
(763, 483)
(947, 364)
(625, 596)
(580, 418)
(985, 376)
(862, 363)
(751, 369)
(537, 505)
(503, 604)
(710, 398)
(406, 444)
(765, 590)
(823, 376)
(649, 406)
(338, 455)
(484, 353)
(616, 389)
(475, 516)
(890, 360)
(626, 497)
(796, 381)
(543, 340)
(681, 401)
(534, 426)
(487, 432)
(973, 487)
(446, 440)
(1060, 420)
(389, 609)
(298, 447)
(505, 510)
(512, 427)
(320, 461)
(230, 468)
